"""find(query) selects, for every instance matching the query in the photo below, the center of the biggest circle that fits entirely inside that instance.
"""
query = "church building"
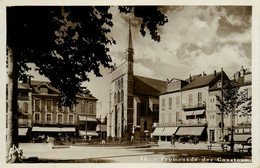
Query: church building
(134, 100)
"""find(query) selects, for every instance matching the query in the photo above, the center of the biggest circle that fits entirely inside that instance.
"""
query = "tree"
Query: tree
(65, 44)
(232, 100)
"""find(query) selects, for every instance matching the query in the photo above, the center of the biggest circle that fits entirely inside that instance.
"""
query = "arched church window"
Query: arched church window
(122, 83)
(122, 95)
(119, 84)
(116, 85)
(118, 97)
(115, 98)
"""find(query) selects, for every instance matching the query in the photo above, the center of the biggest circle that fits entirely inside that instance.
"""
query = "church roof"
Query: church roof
(148, 86)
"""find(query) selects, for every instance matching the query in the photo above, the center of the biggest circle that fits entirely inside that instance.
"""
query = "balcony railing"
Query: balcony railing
(191, 122)
(195, 105)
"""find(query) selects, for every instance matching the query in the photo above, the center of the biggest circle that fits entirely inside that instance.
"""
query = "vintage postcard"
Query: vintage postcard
(151, 84)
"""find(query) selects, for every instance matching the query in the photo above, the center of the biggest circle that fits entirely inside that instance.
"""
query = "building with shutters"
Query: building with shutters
(184, 107)
(40, 115)
(134, 100)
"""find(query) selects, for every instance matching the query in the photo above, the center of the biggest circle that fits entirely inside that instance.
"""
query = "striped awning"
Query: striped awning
(53, 129)
(89, 133)
(158, 131)
(22, 131)
(196, 131)
(169, 131)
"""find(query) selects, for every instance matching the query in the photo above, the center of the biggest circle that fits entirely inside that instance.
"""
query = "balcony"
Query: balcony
(191, 122)
(194, 106)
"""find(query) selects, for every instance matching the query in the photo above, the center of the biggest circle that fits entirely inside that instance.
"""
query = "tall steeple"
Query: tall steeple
(130, 49)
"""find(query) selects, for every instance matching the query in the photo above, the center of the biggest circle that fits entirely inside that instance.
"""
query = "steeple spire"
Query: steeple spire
(130, 50)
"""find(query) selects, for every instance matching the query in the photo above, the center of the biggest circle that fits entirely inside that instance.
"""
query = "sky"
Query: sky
(195, 39)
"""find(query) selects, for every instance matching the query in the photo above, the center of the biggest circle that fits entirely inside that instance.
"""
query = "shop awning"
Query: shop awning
(196, 131)
(53, 129)
(158, 131)
(169, 131)
(196, 112)
(83, 118)
(22, 131)
(89, 133)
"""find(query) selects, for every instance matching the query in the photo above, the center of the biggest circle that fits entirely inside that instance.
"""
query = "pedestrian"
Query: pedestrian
(173, 141)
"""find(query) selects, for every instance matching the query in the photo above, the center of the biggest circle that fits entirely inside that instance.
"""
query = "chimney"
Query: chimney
(190, 78)
(203, 74)
(234, 77)
(215, 73)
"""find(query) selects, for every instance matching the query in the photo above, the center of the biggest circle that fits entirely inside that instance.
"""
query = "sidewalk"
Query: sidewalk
(200, 146)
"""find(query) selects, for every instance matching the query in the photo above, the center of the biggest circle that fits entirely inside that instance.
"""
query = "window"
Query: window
(22, 95)
(116, 85)
(49, 105)
(177, 116)
(145, 125)
(118, 82)
(36, 117)
(190, 99)
(118, 97)
(37, 105)
(72, 108)
(177, 101)
(83, 107)
(122, 82)
(170, 103)
(48, 118)
(122, 95)
(163, 104)
(60, 118)
(25, 104)
(91, 109)
(44, 90)
(70, 119)
(114, 98)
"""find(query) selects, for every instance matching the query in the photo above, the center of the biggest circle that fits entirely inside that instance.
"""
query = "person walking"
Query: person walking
(173, 141)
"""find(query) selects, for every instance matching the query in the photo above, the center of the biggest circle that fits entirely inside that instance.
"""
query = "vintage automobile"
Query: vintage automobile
(243, 135)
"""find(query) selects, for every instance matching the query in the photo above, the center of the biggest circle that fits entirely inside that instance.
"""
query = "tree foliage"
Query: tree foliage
(66, 43)
(234, 100)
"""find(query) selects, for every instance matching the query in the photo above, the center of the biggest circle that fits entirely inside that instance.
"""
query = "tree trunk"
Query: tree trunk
(12, 118)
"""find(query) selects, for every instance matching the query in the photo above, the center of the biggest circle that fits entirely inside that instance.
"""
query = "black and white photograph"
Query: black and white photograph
(122, 83)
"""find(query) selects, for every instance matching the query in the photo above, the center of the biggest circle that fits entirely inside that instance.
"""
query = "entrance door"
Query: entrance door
(212, 135)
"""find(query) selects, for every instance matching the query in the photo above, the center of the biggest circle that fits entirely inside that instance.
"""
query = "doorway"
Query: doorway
(212, 136)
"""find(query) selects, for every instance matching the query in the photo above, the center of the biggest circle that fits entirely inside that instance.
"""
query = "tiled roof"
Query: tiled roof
(148, 86)
(23, 86)
(201, 81)
(35, 85)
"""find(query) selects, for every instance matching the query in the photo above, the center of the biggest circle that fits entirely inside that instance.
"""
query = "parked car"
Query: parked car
(242, 135)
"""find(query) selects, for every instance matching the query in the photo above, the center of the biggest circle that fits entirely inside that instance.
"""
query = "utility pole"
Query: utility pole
(222, 112)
